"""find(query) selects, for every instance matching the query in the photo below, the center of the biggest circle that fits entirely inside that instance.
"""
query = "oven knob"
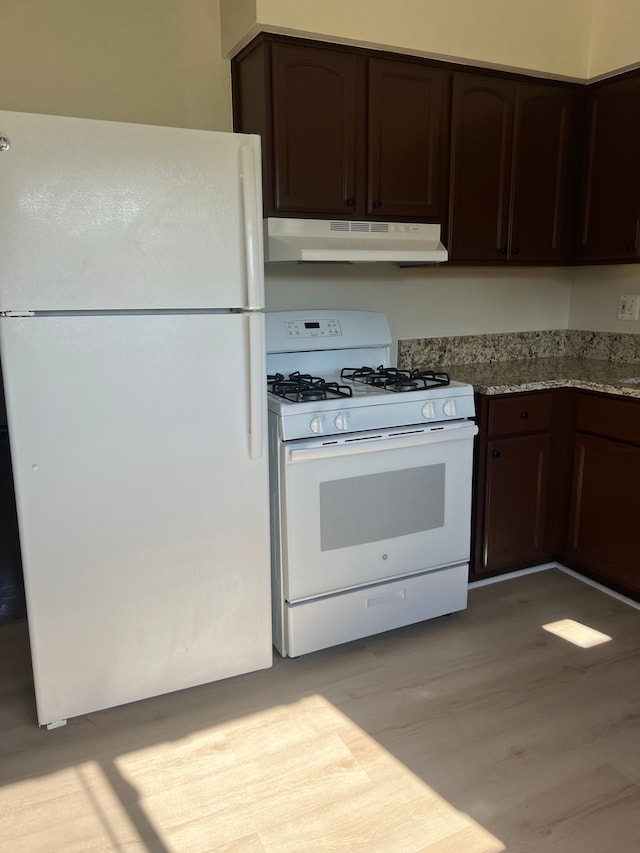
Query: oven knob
(428, 411)
(315, 425)
(341, 421)
(449, 408)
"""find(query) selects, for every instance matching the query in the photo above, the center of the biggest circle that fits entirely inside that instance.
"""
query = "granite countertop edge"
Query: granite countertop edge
(512, 377)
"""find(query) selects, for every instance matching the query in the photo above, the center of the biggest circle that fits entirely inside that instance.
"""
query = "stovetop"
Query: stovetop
(396, 380)
(330, 405)
(300, 387)
(330, 373)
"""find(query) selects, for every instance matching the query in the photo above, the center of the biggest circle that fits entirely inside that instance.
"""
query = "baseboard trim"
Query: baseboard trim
(601, 587)
(510, 575)
(543, 567)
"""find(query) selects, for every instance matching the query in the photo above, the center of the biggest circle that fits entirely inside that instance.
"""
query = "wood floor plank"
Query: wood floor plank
(475, 733)
(587, 813)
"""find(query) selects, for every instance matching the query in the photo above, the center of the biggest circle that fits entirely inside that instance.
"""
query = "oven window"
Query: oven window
(375, 507)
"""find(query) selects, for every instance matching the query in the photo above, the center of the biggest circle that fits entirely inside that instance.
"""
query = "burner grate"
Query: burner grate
(302, 387)
(394, 379)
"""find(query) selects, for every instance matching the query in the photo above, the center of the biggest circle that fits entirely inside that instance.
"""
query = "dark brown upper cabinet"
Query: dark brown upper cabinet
(317, 102)
(407, 140)
(345, 134)
(352, 133)
(512, 171)
(609, 220)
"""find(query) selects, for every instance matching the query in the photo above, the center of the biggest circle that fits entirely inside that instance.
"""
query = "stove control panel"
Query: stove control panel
(321, 328)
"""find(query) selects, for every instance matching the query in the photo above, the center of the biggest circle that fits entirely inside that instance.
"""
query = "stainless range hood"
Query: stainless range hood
(352, 241)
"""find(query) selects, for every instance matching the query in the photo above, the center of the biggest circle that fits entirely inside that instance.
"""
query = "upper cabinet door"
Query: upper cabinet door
(407, 152)
(609, 229)
(541, 174)
(511, 172)
(345, 134)
(350, 134)
(318, 106)
(481, 138)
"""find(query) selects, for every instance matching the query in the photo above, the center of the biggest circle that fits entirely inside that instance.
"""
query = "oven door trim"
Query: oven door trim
(308, 570)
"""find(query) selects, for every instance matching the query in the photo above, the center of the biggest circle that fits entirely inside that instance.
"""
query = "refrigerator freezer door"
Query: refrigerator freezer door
(100, 215)
(143, 518)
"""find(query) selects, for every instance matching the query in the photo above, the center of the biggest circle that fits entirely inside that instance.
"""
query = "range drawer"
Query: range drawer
(613, 417)
(323, 622)
(520, 413)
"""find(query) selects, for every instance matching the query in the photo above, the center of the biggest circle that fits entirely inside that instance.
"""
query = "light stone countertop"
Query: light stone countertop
(508, 377)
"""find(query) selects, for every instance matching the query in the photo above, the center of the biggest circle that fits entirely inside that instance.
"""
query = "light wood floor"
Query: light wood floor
(480, 731)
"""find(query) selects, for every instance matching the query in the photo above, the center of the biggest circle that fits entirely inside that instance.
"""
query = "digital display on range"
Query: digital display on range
(312, 325)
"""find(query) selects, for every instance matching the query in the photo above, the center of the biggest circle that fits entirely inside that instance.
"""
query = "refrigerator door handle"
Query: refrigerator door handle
(251, 202)
(257, 373)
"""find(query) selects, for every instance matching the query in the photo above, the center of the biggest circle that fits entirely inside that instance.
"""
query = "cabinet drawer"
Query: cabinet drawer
(614, 417)
(519, 413)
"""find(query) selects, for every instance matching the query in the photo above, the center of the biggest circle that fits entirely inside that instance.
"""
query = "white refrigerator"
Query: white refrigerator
(132, 349)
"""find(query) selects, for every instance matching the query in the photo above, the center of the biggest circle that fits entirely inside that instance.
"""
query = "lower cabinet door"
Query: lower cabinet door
(515, 502)
(605, 508)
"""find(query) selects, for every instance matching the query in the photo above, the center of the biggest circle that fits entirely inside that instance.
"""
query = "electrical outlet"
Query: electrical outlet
(628, 307)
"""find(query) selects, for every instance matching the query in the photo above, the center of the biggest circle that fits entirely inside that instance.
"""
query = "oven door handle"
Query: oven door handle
(458, 432)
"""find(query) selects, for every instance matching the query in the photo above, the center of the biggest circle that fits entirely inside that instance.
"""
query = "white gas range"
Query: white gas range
(370, 482)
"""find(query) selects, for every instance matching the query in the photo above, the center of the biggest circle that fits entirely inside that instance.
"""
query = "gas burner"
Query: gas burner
(393, 379)
(302, 388)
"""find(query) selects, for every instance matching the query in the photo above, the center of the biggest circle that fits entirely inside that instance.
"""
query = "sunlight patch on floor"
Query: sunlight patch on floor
(62, 810)
(298, 777)
(577, 633)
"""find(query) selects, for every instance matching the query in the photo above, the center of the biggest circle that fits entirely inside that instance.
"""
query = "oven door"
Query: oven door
(372, 506)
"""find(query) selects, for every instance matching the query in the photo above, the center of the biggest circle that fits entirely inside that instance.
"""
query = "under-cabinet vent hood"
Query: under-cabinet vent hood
(352, 241)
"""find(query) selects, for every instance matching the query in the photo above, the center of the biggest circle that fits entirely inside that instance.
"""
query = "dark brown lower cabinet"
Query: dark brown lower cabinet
(515, 509)
(602, 537)
(515, 456)
(557, 476)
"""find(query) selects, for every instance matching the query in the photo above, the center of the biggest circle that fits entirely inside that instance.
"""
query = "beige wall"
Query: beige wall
(149, 61)
(595, 294)
(542, 36)
(615, 36)
(574, 39)
(429, 301)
